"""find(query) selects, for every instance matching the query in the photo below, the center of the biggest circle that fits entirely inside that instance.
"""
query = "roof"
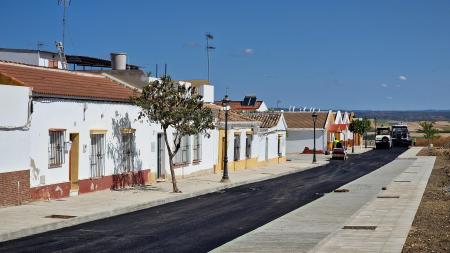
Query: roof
(197, 82)
(337, 128)
(232, 116)
(267, 119)
(134, 77)
(63, 83)
(237, 105)
(304, 119)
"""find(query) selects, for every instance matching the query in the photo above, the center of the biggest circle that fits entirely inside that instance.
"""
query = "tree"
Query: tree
(428, 130)
(175, 106)
(360, 127)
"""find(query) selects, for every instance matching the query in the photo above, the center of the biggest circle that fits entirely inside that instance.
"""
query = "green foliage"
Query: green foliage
(428, 130)
(359, 126)
(173, 105)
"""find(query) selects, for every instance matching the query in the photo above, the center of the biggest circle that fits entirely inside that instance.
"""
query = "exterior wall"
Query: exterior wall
(262, 107)
(14, 145)
(297, 140)
(207, 91)
(82, 117)
(31, 58)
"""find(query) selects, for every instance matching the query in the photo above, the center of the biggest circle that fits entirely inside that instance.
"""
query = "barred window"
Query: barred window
(128, 151)
(237, 147)
(183, 154)
(280, 153)
(248, 146)
(97, 155)
(56, 148)
(197, 147)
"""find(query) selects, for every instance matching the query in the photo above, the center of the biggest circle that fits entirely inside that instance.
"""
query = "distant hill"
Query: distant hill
(429, 115)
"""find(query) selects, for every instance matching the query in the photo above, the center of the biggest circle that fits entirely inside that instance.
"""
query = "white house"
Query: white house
(15, 112)
(271, 137)
(300, 131)
(85, 136)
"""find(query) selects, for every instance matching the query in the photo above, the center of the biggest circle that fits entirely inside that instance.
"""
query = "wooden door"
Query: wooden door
(73, 160)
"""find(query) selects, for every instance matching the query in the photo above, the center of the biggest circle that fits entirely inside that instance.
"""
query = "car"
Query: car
(383, 138)
(339, 152)
(401, 136)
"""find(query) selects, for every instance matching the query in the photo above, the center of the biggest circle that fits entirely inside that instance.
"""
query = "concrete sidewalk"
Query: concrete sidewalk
(318, 226)
(28, 219)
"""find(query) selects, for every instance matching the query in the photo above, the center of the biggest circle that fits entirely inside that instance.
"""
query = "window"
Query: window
(56, 148)
(280, 153)
(237, 147)
(197, 148)
(128, 150)
(183, 154)
(97, 155)
(248, 146)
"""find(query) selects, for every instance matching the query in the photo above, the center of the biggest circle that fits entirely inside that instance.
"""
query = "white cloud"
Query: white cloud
(248, 51)
(403, 78)
(384, 85)
(389, 97)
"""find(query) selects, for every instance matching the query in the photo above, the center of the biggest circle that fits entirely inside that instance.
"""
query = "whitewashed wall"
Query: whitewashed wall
(14, 134)
(297, 140)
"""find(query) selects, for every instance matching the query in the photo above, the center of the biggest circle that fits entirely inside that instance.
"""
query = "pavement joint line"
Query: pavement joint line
(7, 236)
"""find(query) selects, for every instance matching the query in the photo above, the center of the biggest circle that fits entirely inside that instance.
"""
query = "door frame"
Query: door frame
(74, 160)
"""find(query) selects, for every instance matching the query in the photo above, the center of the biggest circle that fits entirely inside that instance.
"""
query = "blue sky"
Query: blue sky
(326, 54)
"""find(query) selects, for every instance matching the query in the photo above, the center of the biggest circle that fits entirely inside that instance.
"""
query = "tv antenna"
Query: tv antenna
(65, 4)
(208, 49)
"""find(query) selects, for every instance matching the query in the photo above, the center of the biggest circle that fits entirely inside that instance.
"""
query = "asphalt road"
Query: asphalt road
(203, 223)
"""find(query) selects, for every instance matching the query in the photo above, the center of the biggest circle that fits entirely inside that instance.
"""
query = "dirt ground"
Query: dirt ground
(430, 231)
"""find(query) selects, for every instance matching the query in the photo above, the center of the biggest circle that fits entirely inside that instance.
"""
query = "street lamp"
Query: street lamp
(226, 108)
(314, 116)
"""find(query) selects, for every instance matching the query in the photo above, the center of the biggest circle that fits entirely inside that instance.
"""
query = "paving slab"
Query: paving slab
(308, 228)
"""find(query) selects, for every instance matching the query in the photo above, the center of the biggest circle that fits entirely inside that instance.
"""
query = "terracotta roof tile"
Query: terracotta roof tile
(304, 119)
(232, 116)
(237, 105)
(267, 119)
(66, 83)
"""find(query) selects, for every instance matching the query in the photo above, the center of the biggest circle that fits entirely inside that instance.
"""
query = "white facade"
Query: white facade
(31, 57)
(14, 132)
(83, 116)
(262, 107)
(299, 139)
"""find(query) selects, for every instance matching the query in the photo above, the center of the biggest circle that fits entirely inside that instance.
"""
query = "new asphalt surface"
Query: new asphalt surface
(205, 222)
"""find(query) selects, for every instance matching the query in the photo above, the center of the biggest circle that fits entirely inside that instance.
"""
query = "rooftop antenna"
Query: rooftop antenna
(208, 49)
(65, 4)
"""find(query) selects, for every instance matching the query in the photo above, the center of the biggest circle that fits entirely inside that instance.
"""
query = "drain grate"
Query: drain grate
(402, 181)
(341, 190)
(360, 227)
(60, 216)
(389, 197)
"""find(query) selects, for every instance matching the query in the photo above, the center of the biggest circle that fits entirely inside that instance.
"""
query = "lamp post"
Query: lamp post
(314, 116)
(226, 108)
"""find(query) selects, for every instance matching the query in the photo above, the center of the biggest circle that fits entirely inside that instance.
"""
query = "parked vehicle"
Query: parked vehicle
(339, 152)
(401, 136)
(383, 138)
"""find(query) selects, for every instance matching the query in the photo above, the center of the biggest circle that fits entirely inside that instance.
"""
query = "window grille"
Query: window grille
(56, 148)
(237, 147)
(128, 151)
(183, 154)
(248, 146)
(197, 147)
(97, 157)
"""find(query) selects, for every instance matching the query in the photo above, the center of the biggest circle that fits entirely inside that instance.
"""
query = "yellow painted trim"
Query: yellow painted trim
(249, 132)
(98, 131)
(127, 130)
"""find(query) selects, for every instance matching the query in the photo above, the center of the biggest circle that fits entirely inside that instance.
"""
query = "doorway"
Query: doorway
(160, 156)
(73, 161)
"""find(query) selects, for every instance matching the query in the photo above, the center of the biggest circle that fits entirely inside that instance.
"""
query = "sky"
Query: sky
(366, 55)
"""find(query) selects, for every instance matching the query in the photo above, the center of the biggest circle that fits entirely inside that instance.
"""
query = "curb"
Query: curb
(132, 208)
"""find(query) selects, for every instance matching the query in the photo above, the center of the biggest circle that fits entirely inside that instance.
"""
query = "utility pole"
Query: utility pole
(208, 48)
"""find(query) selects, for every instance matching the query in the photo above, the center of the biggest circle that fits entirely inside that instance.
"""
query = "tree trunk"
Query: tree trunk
(172, 171)
(353, 143)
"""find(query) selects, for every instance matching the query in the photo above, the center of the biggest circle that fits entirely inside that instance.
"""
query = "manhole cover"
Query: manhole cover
(360, 227)
(60, 216)
(388, 197)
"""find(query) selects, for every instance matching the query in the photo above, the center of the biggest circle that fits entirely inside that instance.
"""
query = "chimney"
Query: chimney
(119, 61)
